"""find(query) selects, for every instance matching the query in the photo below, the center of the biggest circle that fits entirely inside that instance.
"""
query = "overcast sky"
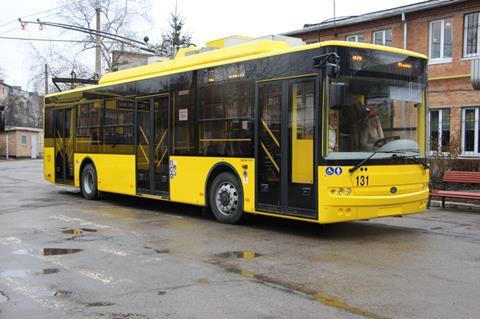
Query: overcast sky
(205, 20)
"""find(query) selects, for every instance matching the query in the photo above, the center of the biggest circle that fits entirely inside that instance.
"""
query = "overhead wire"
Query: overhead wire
(36, 14)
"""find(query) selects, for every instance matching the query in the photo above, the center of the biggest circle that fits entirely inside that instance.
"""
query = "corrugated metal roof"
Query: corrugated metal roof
(344, 21)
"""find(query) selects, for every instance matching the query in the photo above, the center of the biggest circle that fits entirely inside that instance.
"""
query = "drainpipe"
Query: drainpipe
(404, 20)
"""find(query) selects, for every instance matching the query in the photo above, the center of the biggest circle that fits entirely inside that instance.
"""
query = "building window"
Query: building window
(471, 37)
(470, 131)
(382, 37)
(355, 38)
(439, 130)
(441, 40)
(24, 140)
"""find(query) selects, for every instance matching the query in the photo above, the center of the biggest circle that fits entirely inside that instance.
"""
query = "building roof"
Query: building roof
(371, 16)
(2, 82)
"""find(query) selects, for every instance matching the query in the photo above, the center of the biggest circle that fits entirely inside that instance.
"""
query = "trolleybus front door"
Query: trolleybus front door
(286, 173)
(152, 145)
(63, 129)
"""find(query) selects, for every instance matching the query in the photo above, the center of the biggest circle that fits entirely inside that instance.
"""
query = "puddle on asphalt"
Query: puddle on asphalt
(162, 251)
(62, 293)
(315, 295)
(202, 281)
(78, 231)
(247, 254)
(127, 315)
(60, 251)
(49, 271)
(99, 304)
(73, 231)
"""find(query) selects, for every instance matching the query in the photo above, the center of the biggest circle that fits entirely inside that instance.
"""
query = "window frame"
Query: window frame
(438, 147)
(356, 35)
(442, 58)
(476, 146)
(471, 55)
(22, 137)
(222, 88)
(384, 36)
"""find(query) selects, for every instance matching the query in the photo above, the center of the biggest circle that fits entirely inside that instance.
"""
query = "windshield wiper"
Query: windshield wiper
(394, 156)
(414, 157)
(359, 164)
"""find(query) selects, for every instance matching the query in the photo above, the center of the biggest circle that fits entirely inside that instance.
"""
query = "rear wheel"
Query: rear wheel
(88, 182)
(226, 199)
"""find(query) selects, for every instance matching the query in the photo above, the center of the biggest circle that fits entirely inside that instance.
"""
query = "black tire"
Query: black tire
(226, 199)
(89, 182)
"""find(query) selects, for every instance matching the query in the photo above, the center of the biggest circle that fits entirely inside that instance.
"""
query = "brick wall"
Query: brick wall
(450, 92)
(15, 146)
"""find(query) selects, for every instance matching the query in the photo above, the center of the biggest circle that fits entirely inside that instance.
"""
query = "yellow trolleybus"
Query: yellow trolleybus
(325, 132)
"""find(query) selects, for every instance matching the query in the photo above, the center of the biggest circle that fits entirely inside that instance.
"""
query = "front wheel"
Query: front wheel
(226, 199)
(88, 182)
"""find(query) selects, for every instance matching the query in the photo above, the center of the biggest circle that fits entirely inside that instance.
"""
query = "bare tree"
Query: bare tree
(2, 74)
(175, 36)
(117, 17)
(60, 63)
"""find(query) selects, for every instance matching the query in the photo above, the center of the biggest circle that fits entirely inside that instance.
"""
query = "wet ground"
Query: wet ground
(121, 257)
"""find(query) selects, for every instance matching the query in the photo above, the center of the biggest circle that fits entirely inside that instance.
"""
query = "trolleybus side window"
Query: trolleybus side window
(183, 122)
(225, 119)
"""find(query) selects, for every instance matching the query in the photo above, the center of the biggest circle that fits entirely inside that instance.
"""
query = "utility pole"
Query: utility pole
(46, 79)
(98, 54)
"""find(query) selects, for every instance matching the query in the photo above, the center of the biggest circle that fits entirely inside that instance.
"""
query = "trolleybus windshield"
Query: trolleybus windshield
(384, 93)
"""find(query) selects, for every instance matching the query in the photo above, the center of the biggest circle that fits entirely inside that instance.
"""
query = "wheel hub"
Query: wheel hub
(226, 198)
(88, 182)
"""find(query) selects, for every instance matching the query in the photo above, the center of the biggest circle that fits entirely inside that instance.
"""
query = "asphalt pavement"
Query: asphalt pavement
(123, 257)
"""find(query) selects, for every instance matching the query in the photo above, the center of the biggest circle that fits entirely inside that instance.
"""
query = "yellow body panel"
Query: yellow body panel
(49, 164)
(187, 185)
(115, 173)
(302, 149)
(376, 199)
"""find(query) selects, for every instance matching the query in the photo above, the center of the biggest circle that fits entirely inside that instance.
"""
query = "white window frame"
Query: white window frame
(354, 36)
(21, 139)
(441, 59)
(475, 143)
(438, 147)
(471, 55)
(384, 36)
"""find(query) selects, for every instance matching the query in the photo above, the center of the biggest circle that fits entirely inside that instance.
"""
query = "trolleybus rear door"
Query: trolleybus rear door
(152, 145)
(63, 129)
(285, 147)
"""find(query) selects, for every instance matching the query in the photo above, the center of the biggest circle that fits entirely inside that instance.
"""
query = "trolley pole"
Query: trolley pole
(98, 54)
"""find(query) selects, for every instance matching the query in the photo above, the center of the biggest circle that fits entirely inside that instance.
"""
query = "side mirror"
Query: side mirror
(337, 95)
(333, 70)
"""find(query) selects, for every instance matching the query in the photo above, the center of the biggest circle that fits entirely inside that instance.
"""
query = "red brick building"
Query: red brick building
(448, 32)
